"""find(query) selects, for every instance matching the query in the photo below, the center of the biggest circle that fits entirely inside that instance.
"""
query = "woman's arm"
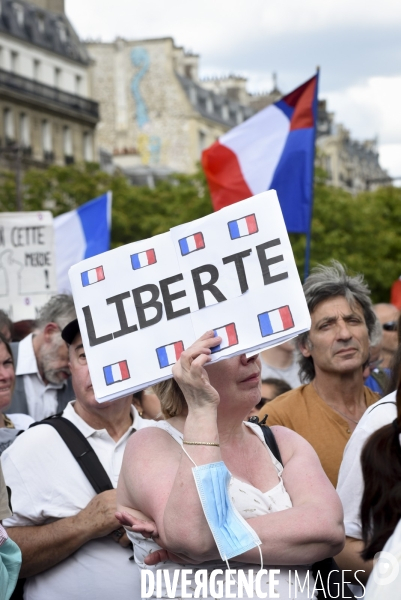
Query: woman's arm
(156, 475)
(313, 528)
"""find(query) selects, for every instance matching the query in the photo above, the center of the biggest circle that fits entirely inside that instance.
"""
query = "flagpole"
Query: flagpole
(309, 233)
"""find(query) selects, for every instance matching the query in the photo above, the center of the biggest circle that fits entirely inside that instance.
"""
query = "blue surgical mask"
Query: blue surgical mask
(10, 564)
(232, 534)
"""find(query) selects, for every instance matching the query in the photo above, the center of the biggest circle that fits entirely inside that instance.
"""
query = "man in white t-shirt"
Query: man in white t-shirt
(350, 482)
(72, 545)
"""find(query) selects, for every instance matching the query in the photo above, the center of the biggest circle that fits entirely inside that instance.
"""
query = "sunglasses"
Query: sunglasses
(390, 326)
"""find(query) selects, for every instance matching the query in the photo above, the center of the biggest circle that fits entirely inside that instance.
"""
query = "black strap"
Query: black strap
(326, 570)
(82, 452)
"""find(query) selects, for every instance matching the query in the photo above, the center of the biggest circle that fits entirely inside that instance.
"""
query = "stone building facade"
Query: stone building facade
(46, 113)
(156, 116)
(349, 164)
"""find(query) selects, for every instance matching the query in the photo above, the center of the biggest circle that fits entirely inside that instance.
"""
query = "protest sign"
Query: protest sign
(140, 305)
(27, 265)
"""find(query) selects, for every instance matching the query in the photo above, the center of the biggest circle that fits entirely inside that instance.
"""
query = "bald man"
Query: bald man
(388, 316)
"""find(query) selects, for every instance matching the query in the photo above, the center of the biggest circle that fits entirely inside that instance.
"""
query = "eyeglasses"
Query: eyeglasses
(390, 326)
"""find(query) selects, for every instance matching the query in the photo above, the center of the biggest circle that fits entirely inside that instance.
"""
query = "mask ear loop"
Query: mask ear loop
(226, 561)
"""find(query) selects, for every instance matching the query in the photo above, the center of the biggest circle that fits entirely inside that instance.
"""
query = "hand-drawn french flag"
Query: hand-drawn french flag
(191, 243)
(143, 259)
(275, 321)
(92, 276)
(228, 333)
(116, 372)
(168, 355)
(242, 227)
(274, 149)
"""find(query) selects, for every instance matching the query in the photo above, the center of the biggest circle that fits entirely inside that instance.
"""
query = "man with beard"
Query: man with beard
(43, 385)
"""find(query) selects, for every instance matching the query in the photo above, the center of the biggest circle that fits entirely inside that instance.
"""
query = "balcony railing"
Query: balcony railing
(46, 93)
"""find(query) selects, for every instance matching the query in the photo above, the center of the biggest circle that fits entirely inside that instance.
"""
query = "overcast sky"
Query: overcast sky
(356, 43)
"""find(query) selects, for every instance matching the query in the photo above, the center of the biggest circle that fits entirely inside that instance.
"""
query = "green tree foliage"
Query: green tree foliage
(360, 231)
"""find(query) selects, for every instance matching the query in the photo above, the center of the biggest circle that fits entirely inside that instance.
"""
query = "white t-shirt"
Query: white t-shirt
(350, 480)
(20, 421)
(41, 397)
(385, 580)
(48, 484)
(289, 374)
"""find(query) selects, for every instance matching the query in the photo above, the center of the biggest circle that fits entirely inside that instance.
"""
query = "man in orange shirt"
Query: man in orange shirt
(326, 410)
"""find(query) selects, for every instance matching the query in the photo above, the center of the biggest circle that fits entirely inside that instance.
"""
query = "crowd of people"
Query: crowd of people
(187, 477)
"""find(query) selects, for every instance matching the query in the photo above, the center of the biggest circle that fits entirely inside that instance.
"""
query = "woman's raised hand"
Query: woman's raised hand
(192, 377)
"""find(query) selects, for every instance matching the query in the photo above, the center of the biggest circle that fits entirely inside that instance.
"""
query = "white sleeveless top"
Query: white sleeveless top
(250, 502)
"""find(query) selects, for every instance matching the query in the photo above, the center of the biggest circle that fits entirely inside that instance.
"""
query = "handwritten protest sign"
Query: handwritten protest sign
(27, 269)
(140, 305)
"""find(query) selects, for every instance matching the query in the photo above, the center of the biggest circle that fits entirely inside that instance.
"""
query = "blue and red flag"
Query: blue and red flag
(274, 149)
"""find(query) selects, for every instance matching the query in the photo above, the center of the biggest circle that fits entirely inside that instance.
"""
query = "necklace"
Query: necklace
(345, 416)
(336, 409)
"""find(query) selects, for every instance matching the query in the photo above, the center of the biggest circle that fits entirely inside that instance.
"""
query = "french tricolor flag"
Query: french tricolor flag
(228, 333)
(191, 243)
(116, 372)
(92, 276)
(275, 321)
(143, 259)
(168, 355)
(242, 227)
(274, 149)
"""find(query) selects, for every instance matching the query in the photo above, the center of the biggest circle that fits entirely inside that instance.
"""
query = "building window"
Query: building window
(1, 57)
(24, 131)
(209, 105)
(57, 77)
(201, 142)
(36, 69)
(14, 62)
(9, 133)
(224, 112)
(67, 145)
(62, 32)
(78, 84)
(40, 21)
(19, 13)
(88, 146)
(47, 142)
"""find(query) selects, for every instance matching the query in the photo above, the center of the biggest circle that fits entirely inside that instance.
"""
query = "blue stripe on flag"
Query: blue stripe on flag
(108, 374)
(162, 356)
(184, 246)
(234, 230)
(135, 261)
(265, 325)
(94, 217)
(215, 348)
(85, 278)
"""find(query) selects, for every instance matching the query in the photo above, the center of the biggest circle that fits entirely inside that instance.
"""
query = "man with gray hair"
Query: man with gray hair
(42, 384)
(326, 409)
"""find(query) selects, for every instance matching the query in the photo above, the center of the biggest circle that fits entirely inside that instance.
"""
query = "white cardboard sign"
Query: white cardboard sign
(140, 305)
(27, 263)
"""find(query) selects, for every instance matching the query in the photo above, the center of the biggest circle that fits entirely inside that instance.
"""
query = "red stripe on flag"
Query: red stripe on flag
(199, 242)
(286, 317)
(151, 257)
(179, 349)
(251, 222)
(301, 100)
(231, 334)
(224, 176)
(124, 369)
(99, 273)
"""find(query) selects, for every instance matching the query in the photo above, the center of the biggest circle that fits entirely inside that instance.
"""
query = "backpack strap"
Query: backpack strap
(81, 450)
